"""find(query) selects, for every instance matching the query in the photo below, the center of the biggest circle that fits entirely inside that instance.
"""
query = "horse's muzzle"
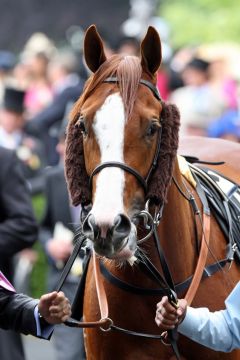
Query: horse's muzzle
(108, 239)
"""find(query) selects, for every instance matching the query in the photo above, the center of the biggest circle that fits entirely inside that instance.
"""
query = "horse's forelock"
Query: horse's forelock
(127, 69)
(129, 73)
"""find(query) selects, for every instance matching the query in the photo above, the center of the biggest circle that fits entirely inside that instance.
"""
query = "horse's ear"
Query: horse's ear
(151, 51)
(93, 49)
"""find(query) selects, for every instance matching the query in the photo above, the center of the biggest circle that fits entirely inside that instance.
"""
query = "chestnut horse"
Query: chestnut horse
(119, 123)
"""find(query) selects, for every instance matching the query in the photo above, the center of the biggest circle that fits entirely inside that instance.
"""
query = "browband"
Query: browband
(155, 91)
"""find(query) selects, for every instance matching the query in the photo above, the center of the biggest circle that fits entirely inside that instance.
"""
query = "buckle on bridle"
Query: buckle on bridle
(164, 338)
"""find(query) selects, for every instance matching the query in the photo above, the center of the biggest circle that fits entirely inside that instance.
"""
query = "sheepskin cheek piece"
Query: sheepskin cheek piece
(78, 179)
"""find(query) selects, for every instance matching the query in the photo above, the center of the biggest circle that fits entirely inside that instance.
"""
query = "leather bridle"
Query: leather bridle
(142, 180)
(165, 280)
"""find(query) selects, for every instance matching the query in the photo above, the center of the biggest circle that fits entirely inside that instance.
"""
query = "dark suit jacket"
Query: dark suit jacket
(17, 312)
(52, 117)
(18, 228)
(57, 210)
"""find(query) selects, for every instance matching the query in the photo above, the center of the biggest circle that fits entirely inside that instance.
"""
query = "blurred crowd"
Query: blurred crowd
(37, 90)
(37, 86)
(206, 92)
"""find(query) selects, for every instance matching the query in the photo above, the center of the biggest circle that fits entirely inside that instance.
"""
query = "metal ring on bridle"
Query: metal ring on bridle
(164, 335)
(106, 321)
(148, 220)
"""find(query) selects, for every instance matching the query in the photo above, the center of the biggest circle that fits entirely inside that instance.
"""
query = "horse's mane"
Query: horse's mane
(128, 70)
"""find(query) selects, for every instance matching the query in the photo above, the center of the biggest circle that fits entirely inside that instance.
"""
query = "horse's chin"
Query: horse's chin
(123, 255)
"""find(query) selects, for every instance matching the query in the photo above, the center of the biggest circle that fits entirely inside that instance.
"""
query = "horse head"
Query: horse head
(119, 127)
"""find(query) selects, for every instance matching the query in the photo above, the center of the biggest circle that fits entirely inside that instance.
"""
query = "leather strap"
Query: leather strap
(121, 166)
(201, 260)
(104, 323)
(180, 287)
(154, 89)
(79, 242)
(204, 247)
(102, 299)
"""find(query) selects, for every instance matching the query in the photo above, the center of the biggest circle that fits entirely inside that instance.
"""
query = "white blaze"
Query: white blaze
(109, 131)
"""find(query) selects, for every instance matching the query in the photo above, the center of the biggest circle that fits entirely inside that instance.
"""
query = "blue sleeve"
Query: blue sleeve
(44, 332)
(219, 330)
(232, 316)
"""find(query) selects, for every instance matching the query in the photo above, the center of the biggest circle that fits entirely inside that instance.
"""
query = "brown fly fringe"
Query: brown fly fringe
(75, 170)
(160, 180)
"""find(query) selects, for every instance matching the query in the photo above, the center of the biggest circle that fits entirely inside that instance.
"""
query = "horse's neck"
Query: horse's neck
(176, 231)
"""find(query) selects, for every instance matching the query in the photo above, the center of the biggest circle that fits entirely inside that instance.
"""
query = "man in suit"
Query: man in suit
(18, 230)
(56, 234)
(12, 135)
(23, 314)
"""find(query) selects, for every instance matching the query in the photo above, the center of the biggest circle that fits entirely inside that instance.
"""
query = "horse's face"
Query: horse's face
(114, 132)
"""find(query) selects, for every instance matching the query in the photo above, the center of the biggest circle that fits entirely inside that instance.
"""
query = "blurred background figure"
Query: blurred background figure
(38, 92)
(56, 235)
(7, 63)
(197, 100)
(66, 86)
(18, 230)
(141, 15)
(128, 45)
(12, 134)
(226, 127)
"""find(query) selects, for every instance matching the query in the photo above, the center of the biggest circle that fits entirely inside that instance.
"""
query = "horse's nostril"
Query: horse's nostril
(122, 226)
(90, 228)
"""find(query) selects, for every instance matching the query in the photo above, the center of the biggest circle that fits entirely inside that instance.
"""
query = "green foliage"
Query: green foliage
(38, 276)
(38, 202)
(194, 22)
(39, 272)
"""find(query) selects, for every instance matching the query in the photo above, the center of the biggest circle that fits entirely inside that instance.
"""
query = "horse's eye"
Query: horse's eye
(152, 128)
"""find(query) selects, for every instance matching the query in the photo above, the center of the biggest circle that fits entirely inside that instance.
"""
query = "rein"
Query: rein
(205, 224)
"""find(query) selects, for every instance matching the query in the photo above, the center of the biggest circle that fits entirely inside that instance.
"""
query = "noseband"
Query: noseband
(143, 181)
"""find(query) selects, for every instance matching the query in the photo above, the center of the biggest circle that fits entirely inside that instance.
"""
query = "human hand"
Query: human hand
(54, 307)
(167, 316)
